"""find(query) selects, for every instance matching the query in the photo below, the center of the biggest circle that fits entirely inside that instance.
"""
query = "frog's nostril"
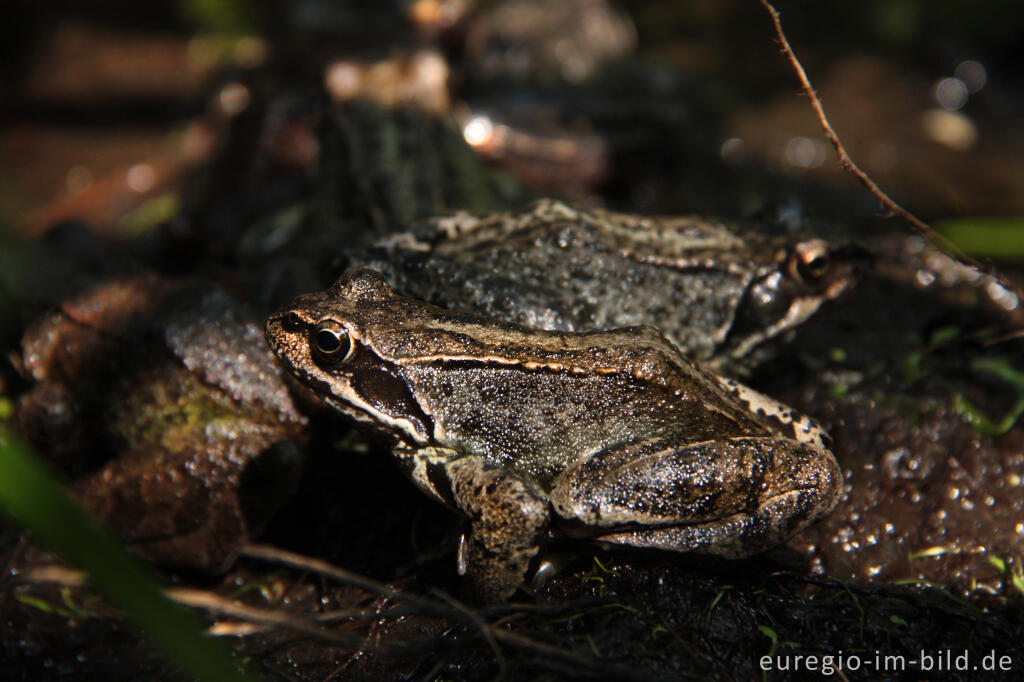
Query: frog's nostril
(291, 322)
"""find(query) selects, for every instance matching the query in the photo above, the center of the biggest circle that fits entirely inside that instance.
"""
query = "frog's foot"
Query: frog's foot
(508, 521)
(731, 498)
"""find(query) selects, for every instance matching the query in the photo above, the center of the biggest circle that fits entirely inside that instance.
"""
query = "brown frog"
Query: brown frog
(612, 435)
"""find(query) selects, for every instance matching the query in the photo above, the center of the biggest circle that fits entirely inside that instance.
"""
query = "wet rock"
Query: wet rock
(160, 397)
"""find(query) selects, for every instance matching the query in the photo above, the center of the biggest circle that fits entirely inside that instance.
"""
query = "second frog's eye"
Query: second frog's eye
(332, 342)
(810, 261)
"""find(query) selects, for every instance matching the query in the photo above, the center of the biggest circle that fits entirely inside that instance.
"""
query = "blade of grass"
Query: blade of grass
(31, 496)
(991, 237)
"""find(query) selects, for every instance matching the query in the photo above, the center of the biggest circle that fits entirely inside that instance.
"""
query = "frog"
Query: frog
(532, 434)
(724, 293)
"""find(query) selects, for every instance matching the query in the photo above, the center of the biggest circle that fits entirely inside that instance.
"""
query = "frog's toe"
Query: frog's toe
(496, 575)
(735, 536)
(509, 521)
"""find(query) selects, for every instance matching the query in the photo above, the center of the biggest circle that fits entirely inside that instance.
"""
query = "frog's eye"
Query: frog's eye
(810, 260)
(333, 342)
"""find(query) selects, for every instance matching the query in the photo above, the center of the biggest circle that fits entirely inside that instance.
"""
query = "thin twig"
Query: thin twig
(324, 568)
(208, 601)
(57, 574)
(485, 628)
(583, 666)
(215, 604)
(846, 162)
(454, 610)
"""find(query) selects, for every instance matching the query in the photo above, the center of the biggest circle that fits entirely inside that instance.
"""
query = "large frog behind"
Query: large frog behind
(724, 295)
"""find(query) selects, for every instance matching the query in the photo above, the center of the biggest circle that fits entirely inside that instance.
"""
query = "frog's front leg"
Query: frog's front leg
(731, 498)
(508, 520)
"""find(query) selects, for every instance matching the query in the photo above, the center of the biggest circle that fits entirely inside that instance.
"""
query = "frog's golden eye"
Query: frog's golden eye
(811, 260)
(333, 342)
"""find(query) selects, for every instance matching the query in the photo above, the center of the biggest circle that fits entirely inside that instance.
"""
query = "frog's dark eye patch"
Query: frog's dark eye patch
(332, 342)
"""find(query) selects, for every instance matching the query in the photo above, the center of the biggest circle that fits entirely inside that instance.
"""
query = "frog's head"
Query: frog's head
(787, 292)
(335, 343)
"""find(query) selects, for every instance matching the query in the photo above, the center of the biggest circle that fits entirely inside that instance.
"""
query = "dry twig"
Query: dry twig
(586, 666)
(208, 601)
(215, 604)
(583, 666)
(846, 162)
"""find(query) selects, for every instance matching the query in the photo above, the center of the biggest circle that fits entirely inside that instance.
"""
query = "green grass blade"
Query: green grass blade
(1001, 238)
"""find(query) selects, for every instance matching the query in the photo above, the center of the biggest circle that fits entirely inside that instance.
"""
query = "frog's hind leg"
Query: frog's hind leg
(732, 498)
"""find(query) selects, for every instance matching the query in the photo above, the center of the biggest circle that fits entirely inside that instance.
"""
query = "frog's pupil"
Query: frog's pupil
(328, 341)
(816, 266)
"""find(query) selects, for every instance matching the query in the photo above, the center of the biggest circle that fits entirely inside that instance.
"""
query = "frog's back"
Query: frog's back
(558, 268)
(528, 400)
(537, 407)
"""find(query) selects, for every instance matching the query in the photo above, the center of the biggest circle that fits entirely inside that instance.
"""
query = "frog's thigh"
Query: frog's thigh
(731, 498)
(508, 520)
